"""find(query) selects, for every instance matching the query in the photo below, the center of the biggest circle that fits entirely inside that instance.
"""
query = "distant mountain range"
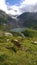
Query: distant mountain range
(26, 19)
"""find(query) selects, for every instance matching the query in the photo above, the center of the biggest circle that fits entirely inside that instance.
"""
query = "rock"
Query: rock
(34, 42)
(16, 42)
(8, 34)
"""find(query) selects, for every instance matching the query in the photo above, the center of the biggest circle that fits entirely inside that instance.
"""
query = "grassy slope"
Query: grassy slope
(27, 55)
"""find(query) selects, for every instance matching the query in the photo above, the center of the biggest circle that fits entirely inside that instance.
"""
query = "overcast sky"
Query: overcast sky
(16, 7)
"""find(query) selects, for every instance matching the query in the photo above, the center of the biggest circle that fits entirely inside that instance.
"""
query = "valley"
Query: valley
(18, 39)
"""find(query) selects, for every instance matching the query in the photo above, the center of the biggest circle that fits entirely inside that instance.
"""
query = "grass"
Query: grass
(26, 55)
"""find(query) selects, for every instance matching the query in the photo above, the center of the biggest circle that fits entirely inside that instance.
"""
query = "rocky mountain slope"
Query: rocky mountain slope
(6, 21)
(28, 19)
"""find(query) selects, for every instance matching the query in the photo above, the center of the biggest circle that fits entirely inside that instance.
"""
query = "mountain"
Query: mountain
(28, 19)
(6, 21)
(13, 16)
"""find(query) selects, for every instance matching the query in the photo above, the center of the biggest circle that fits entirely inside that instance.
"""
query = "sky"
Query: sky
(17, 7)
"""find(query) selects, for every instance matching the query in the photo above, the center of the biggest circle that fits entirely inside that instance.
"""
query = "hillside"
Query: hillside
(18, 50)
(6, 22)
(28, 19)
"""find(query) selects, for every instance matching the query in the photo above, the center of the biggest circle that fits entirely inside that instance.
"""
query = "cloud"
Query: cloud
(25, 6)
(29, 2)
(3, 6)
(28, 6)
(14, 10)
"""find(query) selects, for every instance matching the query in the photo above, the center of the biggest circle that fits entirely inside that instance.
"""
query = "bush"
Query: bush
(28, 33)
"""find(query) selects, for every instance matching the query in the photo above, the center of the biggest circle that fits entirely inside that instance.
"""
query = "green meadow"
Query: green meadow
(18, 48)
